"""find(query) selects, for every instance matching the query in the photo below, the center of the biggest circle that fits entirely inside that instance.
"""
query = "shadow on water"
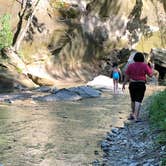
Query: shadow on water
(59, 133)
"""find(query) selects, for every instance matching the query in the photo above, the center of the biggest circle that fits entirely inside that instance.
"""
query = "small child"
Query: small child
(116, 75)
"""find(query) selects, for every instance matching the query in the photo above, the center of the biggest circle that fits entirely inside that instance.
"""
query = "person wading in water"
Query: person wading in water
(116, 75)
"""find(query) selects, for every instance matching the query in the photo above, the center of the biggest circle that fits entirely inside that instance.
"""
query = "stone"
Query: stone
(103, 82)
(41, 81)
(159, 57)
(6, 84)
(85, 91)
(42, 89)
(60, 95)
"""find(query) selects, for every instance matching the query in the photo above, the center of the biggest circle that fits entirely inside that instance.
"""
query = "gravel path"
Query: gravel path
(131, 145)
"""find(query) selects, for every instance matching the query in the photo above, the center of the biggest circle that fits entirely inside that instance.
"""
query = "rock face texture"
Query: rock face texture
(64, 37)
(159, 56)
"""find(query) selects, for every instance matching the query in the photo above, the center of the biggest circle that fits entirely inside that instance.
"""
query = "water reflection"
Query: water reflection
(58, 133)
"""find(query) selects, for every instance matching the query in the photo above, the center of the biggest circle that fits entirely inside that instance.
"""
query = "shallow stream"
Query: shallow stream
(58, 133)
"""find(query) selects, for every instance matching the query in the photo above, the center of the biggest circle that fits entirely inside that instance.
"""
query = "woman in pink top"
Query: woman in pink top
(136, 75)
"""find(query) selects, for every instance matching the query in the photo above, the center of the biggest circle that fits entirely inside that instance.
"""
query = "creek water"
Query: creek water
(58, 133)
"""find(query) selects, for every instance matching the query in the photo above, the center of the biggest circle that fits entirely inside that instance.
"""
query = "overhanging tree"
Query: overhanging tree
(11, 48)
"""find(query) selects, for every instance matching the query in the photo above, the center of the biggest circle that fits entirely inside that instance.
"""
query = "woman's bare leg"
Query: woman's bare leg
(137, 110)
(116, 85)
(132, 107)
(114, 82)
(132, 110)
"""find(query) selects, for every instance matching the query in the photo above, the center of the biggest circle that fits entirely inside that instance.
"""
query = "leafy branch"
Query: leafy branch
(6, 35)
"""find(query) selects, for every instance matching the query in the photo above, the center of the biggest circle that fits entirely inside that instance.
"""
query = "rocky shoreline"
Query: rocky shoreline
(131, 145)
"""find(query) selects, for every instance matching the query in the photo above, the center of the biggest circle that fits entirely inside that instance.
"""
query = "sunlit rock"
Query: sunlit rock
(103, 82)
(41, 81)
(159, 56)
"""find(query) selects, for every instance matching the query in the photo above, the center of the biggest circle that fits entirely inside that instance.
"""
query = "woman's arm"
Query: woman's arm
(126, 79)
(120, 74)
(150, 68)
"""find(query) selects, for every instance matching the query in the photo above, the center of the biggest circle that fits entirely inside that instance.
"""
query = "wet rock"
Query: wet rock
(96, 163)
(54, 90)
(134, 164)
(114, 130)
(109, 138)
(70, 94)
(85, 91)
(104, 144)
(42, 89)
(10, 98)
(8, 101)
(96, 152)
(60, 95)
(19, 87)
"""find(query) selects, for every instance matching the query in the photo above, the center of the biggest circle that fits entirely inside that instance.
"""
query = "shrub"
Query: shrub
(157, 114)
(158, 111)
(6, 35)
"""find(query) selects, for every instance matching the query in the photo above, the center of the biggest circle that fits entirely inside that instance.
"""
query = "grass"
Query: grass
(157, 116)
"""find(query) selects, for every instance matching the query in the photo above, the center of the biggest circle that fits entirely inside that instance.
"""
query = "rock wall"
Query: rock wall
(65, 37)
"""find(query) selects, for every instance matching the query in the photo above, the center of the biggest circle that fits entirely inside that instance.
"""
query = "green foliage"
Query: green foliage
(19, 70)
(57, 4)
(65, 9)
(6, 35)
(163, 161)
(158, 114)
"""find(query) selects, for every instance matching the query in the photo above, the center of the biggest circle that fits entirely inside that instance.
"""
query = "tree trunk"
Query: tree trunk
(15, 65)
(21, 31)
(16, 68)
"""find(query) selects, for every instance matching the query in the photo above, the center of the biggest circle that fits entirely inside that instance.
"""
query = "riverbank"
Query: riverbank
(134, 143)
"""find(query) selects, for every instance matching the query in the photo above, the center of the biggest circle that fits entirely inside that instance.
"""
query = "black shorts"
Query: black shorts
(137, 91)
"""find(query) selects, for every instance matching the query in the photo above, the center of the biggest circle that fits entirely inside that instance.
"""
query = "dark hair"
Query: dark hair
(138, 57)
(115, 64)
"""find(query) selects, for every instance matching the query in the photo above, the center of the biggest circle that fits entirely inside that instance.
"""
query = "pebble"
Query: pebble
(129, 146)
